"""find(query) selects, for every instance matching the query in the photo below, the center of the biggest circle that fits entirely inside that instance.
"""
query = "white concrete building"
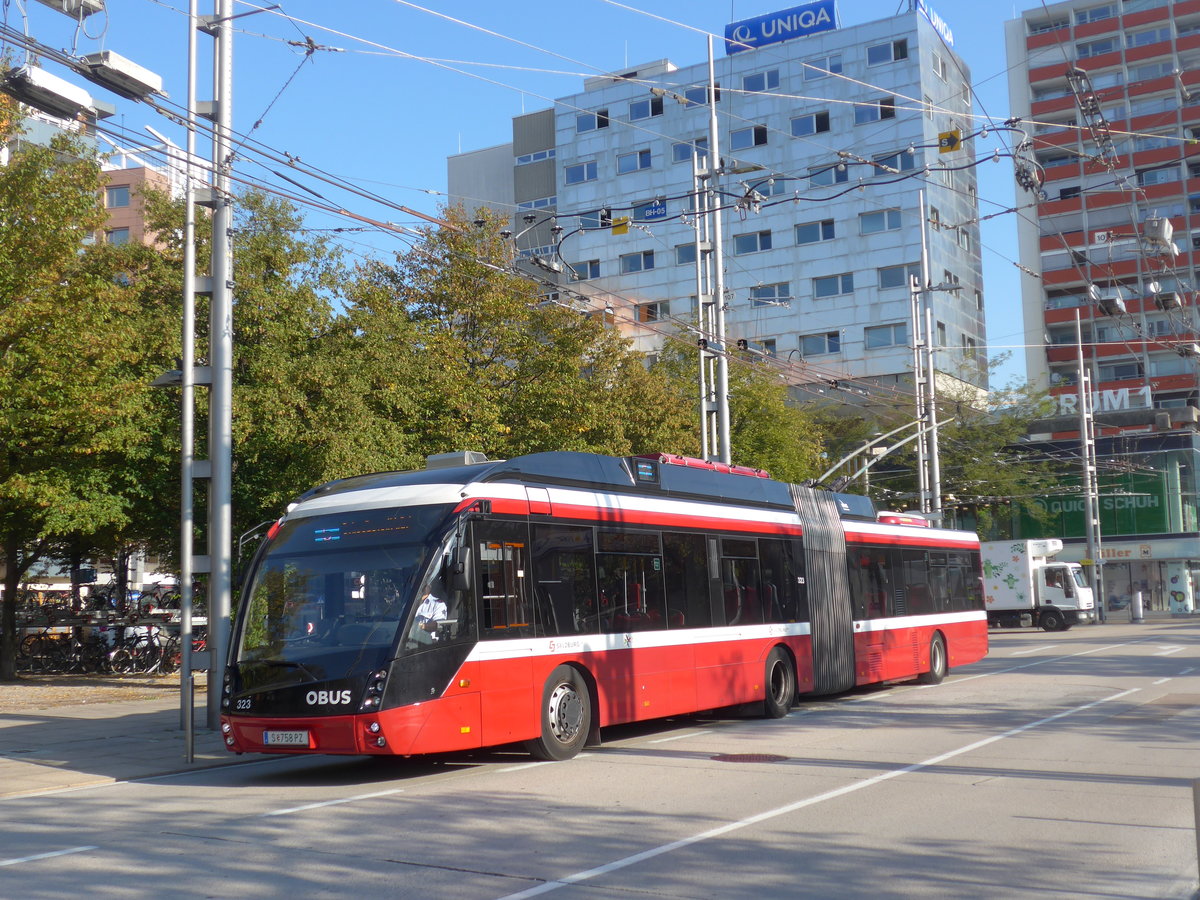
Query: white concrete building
(832, 136)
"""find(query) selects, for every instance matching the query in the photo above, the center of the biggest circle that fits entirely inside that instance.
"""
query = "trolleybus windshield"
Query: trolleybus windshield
(329, 593)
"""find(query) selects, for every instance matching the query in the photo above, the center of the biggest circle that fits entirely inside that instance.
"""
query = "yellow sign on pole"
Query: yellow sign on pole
(620, 225)
(949, 141)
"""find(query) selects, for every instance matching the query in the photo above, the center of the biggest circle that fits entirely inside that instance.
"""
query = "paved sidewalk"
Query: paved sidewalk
(72, 746)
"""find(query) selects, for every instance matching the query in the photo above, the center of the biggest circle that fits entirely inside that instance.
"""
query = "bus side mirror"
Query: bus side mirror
(460, 569)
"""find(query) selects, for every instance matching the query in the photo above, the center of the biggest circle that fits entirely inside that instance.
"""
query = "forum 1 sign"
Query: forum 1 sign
(784, 25)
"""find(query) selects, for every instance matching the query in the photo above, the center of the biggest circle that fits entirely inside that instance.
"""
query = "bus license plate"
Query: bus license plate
(285, 738)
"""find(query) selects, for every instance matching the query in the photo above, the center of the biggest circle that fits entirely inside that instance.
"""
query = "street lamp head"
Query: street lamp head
(170, 378)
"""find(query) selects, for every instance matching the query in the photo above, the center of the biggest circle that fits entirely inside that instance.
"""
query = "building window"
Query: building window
(766, 346)
(819, 344)
(116, 196)
(682, 151)
(539, 203)
(117, 236)
(698, 96)
(873, 111)
(581, 172)
(744, 138)
(651, 312)
(761, 81)
(1088, 49)
(1158, 176)
(632, 162)
(590, 121)
(895, 335)
(900, 161)
(979, 300)
(837, 173)
(1095, 14)
(751, 243)
(833, 285)
(685, 254)
(813, 123)
(536, 157)
(941, 334)
(971, 348)
(771, 294)
(898, 276)
(1124, 371)
(1051, 25)
(815, 232)
(645, 109)
(939, 67)
(586, 270)
(637, 262)
(880, 220)
(822, 67)
(886, 53)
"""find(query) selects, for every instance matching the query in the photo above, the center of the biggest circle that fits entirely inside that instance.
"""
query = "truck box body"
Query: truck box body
(1024, 585)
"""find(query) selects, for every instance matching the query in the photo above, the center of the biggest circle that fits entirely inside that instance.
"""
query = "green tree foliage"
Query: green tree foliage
(70, 349)
(767, 429)
(467, 355)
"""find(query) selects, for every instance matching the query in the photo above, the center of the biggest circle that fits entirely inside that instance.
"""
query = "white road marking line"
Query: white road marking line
(306, 806)
(1168, 649)
(680, 737)
(1188, 669)
(37, 856)
(1161, 681)
(1034, 650)
(722, 830)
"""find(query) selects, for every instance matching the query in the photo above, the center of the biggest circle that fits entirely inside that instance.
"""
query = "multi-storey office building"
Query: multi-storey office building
(824, 139)
(1110, 96)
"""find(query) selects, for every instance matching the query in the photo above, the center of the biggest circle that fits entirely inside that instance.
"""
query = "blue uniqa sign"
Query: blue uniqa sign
(938, 23)
(781, 26)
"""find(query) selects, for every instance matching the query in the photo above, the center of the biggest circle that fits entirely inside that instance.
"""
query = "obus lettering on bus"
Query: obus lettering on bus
(324, 698)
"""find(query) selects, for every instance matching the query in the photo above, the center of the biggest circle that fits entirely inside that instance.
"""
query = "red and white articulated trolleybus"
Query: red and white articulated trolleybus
(476, 603)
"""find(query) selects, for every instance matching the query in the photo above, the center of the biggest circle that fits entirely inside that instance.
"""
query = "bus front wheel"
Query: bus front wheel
(566, 715)
(781, 685)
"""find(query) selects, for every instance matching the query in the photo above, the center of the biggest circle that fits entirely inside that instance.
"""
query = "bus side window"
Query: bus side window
(858, 561)
(564, 579)
(685, 558)
(501, 579)
(782, 581)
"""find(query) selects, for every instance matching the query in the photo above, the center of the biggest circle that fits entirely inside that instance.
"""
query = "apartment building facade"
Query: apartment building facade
(1109, 94)
(828, 141)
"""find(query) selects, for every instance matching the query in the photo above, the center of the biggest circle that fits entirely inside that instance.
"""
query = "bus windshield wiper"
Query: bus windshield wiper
(290, 664)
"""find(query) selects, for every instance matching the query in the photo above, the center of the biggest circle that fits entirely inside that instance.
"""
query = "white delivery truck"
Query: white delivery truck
(1024, 585)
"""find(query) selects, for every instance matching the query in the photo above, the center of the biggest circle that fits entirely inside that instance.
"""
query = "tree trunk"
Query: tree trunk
(9, 639)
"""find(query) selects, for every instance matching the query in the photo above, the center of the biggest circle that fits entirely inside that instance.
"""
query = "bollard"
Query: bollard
(1196, 811)
(189, 718)
(1135, 608)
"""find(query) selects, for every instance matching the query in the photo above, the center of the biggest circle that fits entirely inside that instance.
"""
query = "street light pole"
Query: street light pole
(220, 426)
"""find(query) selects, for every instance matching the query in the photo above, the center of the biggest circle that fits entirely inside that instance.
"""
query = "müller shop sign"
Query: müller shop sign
(784, 25)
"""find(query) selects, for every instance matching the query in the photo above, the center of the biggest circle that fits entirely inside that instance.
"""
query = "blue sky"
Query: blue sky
(405, 88)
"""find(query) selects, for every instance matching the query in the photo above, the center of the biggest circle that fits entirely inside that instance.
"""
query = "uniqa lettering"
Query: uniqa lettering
(802, 20)
(326, 698)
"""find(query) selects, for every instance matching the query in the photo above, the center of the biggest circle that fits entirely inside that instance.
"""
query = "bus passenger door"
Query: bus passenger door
(506, 625)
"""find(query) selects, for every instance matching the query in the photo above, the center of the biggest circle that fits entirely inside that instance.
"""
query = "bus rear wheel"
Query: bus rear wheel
(566, 715)
(781, 685)
(937, 661)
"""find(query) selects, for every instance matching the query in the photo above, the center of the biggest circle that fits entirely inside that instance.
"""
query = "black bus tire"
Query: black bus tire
(937, 661)
(780, 683)
(566, 716)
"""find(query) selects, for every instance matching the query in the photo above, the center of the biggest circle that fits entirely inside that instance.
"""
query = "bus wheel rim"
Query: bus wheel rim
(566, 713)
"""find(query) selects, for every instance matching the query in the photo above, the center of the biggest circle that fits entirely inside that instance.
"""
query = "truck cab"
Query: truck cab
(1064, 597)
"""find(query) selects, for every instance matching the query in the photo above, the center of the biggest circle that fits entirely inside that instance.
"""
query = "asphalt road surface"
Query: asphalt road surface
(1060, 766)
